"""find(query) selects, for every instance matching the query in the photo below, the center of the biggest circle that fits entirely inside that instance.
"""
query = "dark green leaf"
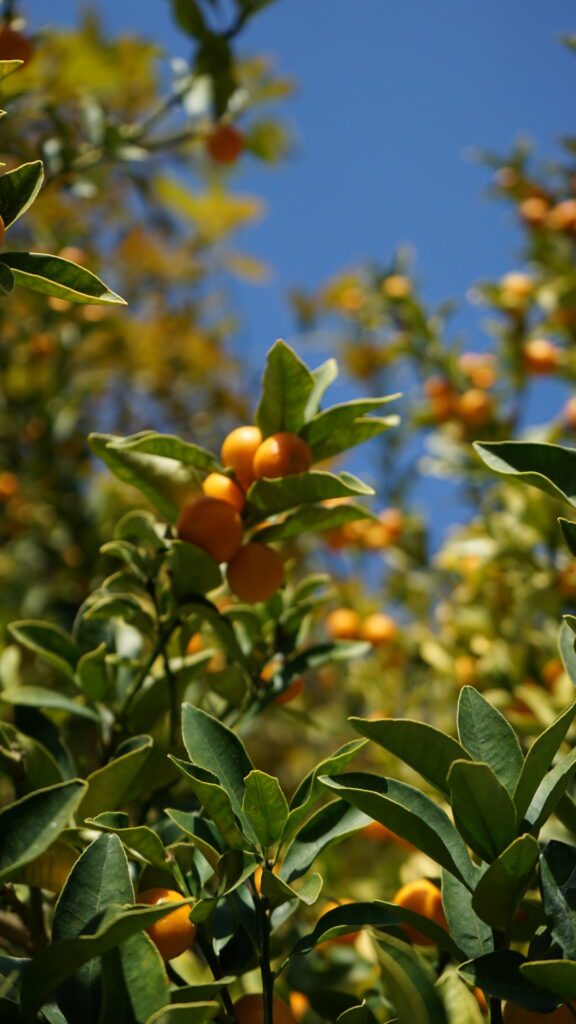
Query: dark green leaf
(92, 674)
(167, 446)
(211, 745)
(539, 758)
(7, 281)
(344, 426)
(328, 825)
(18, 190)
(38, 697)
(483, 810)
(557, 976)
(188, 16)
(287, 385)
(502, 886)
(272, 496)
(558, 884)
(34, 766)
(215, 800)
(324, 375)
(470, 933)
(138, 839)
(265, 805)
(30, 825)
(499, 974)
(159, 479)
(134, 982)
(108, 787)
(313, 518)
(425, 749)
(49, 642)
(488, 737)
(185, 1013)
(550, 791)
(53, 275)
(193, 571)
(411, 983)
(310, 789)
(550, 467)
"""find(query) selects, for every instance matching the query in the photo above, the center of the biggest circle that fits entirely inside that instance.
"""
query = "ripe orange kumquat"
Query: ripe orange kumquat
(14, 45)
(249, 1009)
(378, 833)
(255, 573)
(173, 934)
(378, 629)
(216, 485)
(299, 1004)
(541, 355)
(238, 451)
(343, 624)
(282, 454)
(224, 144)
(291, 692)
(213, 525)
(423, 897)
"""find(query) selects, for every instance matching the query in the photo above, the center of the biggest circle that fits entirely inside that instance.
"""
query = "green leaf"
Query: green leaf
(428, 751)
(31, 824)
(266, 806)
(569, 531)
(278, 892)
(99, 878)
(500, 975)
(550, 791)
(346, 425)
(34, 766)
(488, 737)
(8, 66)
(378, 914)
(470, 933)
(411, 815)
(557, 976)
(215, 800)
(159, 479)
(49, 642)
(92, 674)
(550, 467)
(310, 789)
(108, 787)
(313, 518)
(287, 385)
(324, 375)
(167, 446)
(138, 839)
(211, 745)
(134, 982)
(185, 1013)
(272, 496)
(18, 190)
(38, 697)
(188, 16)
(60, 960)
(193, 571)
(557, 882)
(52, 275)
(539, 758)
(360, 1014)
(483, 810)
(203, 833)
(410, 983)
(567, 647)
(7, 281)
(329, 825)
(502, 886)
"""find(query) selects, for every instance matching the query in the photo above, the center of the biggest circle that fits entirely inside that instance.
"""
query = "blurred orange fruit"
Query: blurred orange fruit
(378, 629)
(423, 897)
(343, 624)
(255, 573)
(249, 1009)
(224, 144)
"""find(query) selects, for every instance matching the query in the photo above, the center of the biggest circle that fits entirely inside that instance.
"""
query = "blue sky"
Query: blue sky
(391, 99)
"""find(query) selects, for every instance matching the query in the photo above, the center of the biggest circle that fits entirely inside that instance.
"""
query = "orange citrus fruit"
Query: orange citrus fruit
(423, 897)
(14, 45)
(343, 624)
(541, 355)
(255, 573)
(238, 451)
(213, 525)
(378, 629)
(216, 485)
(173, 934)
(280, 455)
(224, 144)
(516, 1015)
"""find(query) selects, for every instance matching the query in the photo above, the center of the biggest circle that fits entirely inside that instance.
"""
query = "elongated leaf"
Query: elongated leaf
(266, 806)
(204, 834)
(272, 496)
(470, 933)
(108, 787)
(18, 190)
(99, 879)
(139, 839)
(425, 749)
(483, 810)
(569, 531)
(38, 697)
(216, 748)
(310, 789)
(170, 447)
(315, 518)
(346, 425)
(500, 974)
(410, 982)
(550, 791)
(30, 825)
(60, 960)
(488, 737)
(36, 767)
(53, 275)
(328, 825)
(411, 815)
(185, 1013)
(502, 886)
(92, 674)
(539, 758)
(557, 976)
(379, 914)
(287, 385)
(278, 892)
(193, 571)
(324, 375)
(160, 480)
(567, 647)
(7, 281)
(558, 884)
(134, 981)
(51, 643)
(216, 801)
(550, 467)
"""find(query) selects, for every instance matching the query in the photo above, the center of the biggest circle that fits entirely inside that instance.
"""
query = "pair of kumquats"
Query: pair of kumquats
(214, 522)
(346, 624)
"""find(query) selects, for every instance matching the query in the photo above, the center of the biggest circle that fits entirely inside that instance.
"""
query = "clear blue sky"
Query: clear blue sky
(391, 98)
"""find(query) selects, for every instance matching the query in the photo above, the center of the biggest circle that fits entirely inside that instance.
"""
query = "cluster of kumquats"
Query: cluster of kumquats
(214, 522)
